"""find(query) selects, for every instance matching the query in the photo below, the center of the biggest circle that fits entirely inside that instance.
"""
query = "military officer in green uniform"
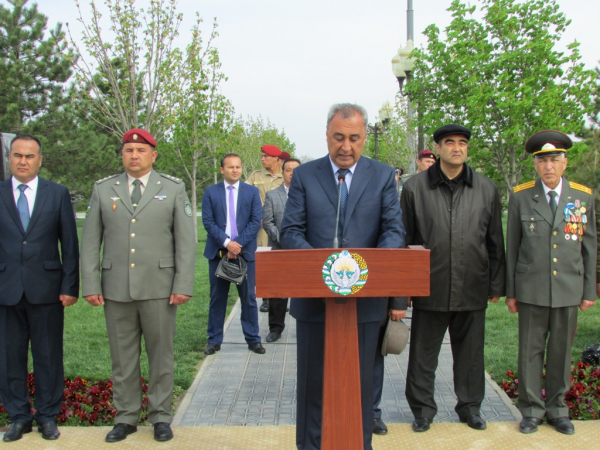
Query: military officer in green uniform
(551, 271)
(143, 221)
(266, 179)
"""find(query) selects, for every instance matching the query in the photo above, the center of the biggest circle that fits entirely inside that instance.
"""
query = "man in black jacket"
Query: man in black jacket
(456, 213)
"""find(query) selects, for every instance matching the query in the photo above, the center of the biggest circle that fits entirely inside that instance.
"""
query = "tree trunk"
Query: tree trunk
(195, 199)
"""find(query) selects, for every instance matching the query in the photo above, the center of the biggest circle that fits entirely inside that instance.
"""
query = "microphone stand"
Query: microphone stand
(341, 179)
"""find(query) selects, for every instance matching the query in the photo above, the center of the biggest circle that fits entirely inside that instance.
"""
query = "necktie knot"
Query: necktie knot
(343, 172)
(230, 188)
(137, 182)
(22, 187)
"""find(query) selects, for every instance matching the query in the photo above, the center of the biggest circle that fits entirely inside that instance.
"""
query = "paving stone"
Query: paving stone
(241, 388)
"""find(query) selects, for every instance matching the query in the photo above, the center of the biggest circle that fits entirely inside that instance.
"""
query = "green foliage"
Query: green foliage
(32, 67)
(200, 115)
(248, 136)
(502, 77)
(395, 141)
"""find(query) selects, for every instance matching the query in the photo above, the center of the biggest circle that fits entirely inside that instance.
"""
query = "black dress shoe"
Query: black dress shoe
(273, 336)
(211, 349)
(120, 432)
(16, 431)
(162, 432)
(379, 427)
(257, 348)
(421, 424)
(562, 425)
(265, 306)
(49, 430)
(474, 421)
(529, 425)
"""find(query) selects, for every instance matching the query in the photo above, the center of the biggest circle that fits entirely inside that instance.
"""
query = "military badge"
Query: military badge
(114, 199)
(160, 197)
(345, 273)
(87, 211)
(576, 218)
(188, 209)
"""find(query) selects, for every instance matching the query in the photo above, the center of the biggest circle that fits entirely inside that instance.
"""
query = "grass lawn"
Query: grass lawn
(502, 340)
(502, 335)
(86, 341)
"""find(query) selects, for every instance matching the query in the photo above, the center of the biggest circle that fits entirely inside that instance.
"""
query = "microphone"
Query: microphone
(341, 179)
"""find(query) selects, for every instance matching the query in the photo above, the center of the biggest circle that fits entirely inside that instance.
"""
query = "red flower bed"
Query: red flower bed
(85, 402)
(583, 398)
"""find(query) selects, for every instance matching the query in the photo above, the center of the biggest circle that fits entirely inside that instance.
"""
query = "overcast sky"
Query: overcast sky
(289, 61)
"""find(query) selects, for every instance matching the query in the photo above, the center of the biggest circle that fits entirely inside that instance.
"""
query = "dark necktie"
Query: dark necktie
(232, 223)
(23, 206)
(344, 191)
(553, 195)
(136, 194)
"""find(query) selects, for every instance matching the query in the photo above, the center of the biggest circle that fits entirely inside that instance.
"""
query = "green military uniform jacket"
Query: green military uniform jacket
(265, 182)
(148, 253)
(551, 262)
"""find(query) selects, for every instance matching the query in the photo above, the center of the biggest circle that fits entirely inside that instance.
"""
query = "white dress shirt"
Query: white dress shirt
(30, 192)
(348, 175)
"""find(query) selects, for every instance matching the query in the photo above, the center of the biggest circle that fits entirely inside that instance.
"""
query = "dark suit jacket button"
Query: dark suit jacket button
(25, 263)
(24, 242)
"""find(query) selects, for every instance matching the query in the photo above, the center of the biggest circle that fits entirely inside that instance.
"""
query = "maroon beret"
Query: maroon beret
(284, 156)
(271, 150)
(427, 154)
(140, 136)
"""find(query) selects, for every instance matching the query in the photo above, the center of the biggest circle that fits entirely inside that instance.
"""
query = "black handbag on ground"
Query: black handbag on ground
(232, 270)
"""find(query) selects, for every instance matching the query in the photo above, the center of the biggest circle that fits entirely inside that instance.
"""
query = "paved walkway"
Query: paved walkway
(238, 387)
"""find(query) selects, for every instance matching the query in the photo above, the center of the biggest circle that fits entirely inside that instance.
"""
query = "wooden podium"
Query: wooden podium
(391, 272)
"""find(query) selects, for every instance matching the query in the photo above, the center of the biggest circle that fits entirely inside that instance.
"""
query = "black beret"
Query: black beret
(449, 129)
(548, 143)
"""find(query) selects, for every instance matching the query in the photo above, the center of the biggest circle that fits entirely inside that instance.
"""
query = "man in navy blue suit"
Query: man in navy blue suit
(231, 214)
(36, 283)
(372, 219)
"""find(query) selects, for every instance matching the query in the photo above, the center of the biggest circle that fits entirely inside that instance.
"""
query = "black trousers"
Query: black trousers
(277, 310)
(42, 325)
(311, 358)
(467, 332)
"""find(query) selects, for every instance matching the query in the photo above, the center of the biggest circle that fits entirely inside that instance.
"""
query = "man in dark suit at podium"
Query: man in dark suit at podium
(371, 218)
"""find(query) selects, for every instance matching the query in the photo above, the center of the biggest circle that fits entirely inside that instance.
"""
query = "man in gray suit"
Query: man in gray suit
(145, 221)
(273, 210)
(550, 271)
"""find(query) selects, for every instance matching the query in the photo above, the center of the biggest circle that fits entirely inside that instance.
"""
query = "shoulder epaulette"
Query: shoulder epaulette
(102, 180)
(173, 179)
(580, 187)
(524, 186)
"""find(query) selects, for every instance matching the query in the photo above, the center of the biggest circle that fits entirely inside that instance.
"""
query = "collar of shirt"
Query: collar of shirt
(287, 190)
(236, 185)
(557, 189)
(349, 175)
(144, 179)
(30, 193)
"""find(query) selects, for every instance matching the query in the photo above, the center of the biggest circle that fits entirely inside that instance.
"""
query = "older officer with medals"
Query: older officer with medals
(551, 270)
(143, 218)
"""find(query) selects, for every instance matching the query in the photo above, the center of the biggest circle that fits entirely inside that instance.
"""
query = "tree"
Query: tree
(125, 80)
(248, 136)
(201, 116)
(393, 139)
(502, 77)
(32, 68)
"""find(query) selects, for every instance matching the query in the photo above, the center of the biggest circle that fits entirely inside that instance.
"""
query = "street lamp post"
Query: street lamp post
(402, 66)
(385, 114)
